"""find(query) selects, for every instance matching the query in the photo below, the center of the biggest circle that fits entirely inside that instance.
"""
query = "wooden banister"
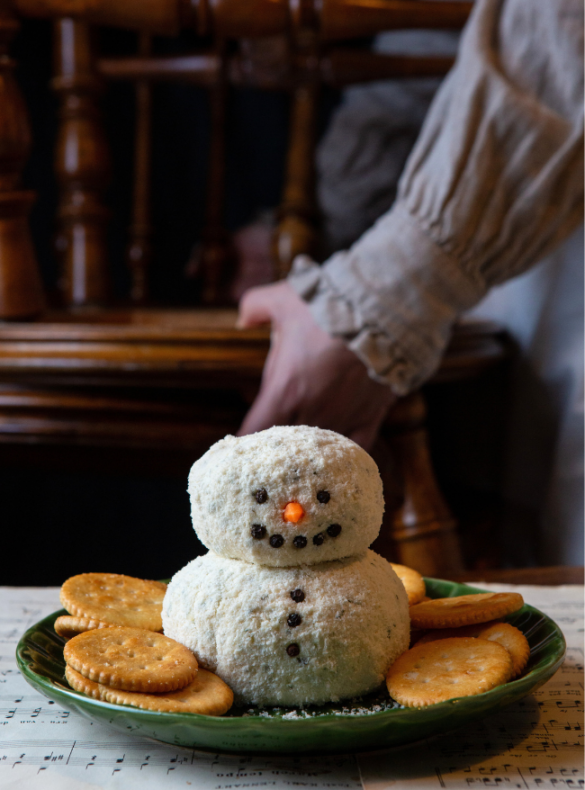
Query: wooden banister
(332, 19)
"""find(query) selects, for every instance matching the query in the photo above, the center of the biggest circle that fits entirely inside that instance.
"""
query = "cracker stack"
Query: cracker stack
(459, 648)
(117, 653)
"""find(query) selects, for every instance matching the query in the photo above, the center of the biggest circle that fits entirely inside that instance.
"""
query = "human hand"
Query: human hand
(310, 378)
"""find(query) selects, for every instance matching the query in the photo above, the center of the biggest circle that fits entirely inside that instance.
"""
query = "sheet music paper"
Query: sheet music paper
(44, 747)
(532, 744)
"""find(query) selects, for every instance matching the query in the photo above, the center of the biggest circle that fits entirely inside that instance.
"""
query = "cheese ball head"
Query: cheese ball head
(287, 496)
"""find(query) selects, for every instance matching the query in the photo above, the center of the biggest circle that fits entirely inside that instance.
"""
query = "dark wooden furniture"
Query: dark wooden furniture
(90, 375)
(549, 576)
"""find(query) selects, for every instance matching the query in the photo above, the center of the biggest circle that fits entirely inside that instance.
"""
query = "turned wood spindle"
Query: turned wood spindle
(21, 291)
(82, 165)
(215, 248)
(296, 232)
(422, 530)
(139, 253)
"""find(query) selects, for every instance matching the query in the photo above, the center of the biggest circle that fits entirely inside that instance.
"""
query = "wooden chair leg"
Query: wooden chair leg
(21, 291)
(82, 165)
(422, 529)
(139, 252)
(296, 232)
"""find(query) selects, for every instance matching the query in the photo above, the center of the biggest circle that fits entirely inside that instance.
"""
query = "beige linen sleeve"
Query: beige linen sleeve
(493, 184)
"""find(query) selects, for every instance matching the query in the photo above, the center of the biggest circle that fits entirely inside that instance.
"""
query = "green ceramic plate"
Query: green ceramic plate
(365, 725)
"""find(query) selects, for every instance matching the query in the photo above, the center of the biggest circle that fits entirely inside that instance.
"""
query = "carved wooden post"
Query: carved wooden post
(139, 252)
(422, 532)
(296, 231)
(21, 291)
(82, 166)
(215, 251)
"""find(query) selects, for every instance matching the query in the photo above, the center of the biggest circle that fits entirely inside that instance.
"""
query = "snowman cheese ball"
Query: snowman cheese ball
(289, 606)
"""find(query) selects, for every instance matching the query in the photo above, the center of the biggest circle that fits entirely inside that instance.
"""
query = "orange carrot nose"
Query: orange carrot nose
(293, 512)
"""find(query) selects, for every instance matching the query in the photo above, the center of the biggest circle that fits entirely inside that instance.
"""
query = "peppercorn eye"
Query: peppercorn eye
(323, 497)
(261, 496)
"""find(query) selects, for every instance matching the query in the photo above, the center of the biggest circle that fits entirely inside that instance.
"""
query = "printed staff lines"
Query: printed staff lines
(147, 746)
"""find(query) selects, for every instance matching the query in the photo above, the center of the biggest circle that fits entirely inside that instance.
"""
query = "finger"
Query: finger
(256, 308)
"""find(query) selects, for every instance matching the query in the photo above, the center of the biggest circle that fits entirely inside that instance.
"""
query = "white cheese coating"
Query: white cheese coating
(233, 616)
(291, 464)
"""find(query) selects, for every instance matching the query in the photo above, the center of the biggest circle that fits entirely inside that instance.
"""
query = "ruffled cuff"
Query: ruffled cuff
(392, 298)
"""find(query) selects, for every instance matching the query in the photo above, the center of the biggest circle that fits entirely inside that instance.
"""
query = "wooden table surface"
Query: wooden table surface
(550, 575)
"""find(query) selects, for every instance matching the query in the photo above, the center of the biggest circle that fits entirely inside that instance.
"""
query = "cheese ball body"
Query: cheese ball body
(241, 487)
(290, 636)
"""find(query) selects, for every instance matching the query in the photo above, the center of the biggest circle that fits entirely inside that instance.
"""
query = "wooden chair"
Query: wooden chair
(90, 375)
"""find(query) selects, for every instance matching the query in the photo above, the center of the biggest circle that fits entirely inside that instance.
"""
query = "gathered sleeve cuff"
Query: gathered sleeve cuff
(398, 324)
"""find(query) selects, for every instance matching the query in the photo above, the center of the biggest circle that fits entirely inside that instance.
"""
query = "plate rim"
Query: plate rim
(552, 664)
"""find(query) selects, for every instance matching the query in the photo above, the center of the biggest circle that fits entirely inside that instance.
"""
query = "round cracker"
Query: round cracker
(116, 599)
(413, 582)
(442, 670)
(131, 659)
(464, 610)
(68, 626)
(505, 634)
(207, 694)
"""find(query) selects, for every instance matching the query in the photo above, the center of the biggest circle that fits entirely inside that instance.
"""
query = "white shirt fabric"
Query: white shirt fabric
(494, 183)
(543, 475)
(493, 186)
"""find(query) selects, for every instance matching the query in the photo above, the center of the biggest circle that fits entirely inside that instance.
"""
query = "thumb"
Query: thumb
(256, 308)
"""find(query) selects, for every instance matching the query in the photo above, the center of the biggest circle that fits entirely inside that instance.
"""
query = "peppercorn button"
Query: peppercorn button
(318, 539)
(258, 531)
(294, 619)
(333, 530)
(293, 650)
(297, 595)
(276, 541)
(300, 542)
(323, 497)
(261, 496)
